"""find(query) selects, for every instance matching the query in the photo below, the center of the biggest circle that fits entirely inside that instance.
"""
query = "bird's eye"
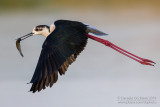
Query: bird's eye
(36, 29)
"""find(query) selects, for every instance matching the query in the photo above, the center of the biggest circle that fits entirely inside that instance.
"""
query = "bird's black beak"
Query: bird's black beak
(25, 36)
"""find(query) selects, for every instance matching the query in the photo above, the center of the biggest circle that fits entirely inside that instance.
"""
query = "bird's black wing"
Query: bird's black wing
(59, 50)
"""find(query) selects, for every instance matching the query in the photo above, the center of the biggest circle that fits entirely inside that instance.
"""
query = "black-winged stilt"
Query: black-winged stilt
(65, 41)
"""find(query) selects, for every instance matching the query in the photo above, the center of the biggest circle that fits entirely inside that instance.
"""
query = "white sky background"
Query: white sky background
(98, 76)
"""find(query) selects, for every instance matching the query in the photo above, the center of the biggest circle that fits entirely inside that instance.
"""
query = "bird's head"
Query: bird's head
(43, 30)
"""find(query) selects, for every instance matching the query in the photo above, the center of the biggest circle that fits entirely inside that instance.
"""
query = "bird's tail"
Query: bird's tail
(95, 31)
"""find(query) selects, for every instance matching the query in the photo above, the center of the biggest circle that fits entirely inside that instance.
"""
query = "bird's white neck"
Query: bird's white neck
(52, 27)
(46, 34)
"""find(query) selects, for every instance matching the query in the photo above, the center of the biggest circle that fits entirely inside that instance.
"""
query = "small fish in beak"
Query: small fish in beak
(19, 40)
(19, 46)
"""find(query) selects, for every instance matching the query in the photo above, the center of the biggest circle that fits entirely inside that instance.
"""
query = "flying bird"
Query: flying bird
(65, 40)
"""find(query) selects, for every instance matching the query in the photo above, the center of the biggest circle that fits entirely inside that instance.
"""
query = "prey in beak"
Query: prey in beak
(19, 40)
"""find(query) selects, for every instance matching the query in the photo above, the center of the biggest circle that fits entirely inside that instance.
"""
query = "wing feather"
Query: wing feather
(59, 50)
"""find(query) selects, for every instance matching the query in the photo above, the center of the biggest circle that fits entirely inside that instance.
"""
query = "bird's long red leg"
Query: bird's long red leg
(122, 51)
